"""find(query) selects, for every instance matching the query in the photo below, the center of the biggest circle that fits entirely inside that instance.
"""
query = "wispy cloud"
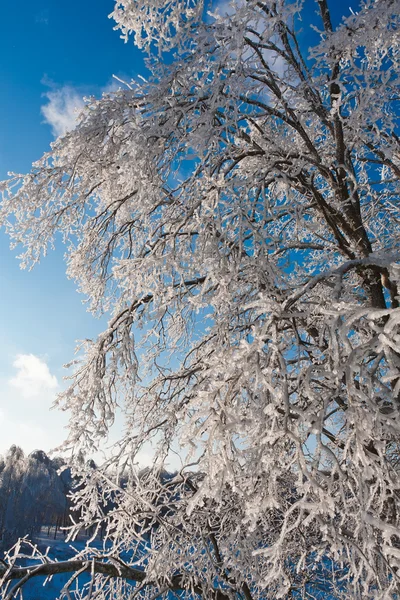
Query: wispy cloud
(28, 391)
(62, 109)
(63, 104)
(33, 376)
(224, 7)
(42, 17)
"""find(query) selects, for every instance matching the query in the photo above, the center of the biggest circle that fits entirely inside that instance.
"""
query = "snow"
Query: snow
(37, 588)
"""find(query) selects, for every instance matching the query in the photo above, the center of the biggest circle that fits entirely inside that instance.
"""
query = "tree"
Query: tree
(43, 496)
(11, 477)
(237, 215)
(32, 494)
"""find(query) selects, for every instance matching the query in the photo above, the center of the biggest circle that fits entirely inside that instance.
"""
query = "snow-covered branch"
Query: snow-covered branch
(237, 217)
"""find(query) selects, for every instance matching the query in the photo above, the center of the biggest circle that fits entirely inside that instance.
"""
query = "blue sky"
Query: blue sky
(52, 53)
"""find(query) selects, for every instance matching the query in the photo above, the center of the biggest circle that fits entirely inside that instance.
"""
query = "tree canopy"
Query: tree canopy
(237, 215)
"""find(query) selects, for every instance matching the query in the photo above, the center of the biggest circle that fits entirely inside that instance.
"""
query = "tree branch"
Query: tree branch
(176, 583)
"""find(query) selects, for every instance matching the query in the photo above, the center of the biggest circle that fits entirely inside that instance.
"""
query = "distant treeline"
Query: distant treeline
(34, 492)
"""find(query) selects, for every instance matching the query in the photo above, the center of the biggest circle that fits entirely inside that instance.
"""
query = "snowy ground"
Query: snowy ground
(59, 550)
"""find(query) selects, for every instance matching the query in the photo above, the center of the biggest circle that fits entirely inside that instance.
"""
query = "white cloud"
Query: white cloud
(224, 7)
(33, 376)
(62, 109)
(115, 84)
(42, 17)
(27, 395)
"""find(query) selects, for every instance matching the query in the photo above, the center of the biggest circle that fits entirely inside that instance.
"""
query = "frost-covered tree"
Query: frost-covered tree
(32, 494)
(238, 217)
(43, 495)
(11, 476)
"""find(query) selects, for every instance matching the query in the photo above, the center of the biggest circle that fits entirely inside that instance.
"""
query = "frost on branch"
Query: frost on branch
(237, 217)
(159, 23)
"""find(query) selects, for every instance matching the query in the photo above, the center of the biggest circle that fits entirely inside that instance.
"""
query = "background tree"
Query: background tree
(32, 495)
(43, 496)
(238, 216)
(11, 477)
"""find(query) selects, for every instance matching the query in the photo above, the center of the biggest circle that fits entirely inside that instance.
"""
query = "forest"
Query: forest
(34, 493)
